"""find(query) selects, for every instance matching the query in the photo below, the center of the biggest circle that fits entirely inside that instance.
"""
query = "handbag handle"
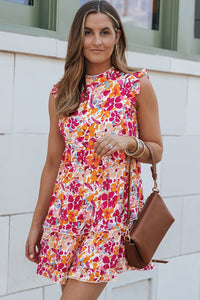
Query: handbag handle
(155, 189)
(154, 176)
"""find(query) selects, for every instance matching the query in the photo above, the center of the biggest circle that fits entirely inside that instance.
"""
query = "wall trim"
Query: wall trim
(49, 47)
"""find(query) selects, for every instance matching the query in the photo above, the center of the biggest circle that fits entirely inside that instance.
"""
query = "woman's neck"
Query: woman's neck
(95, 69)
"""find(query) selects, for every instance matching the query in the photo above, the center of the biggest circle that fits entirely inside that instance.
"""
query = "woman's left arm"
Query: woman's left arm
(149, 128)
(148, 120)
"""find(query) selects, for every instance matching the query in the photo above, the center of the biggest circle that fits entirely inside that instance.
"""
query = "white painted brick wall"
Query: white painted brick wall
(180, 279)
(180, 171)
(27, 73)
(190, 237)
(4, 225)
(22, 159)
(32, 294)
(171, 91)
(52, 292)
(22, 274)
(141, 291)
(193, 107)
(34, 79)
(6, 85)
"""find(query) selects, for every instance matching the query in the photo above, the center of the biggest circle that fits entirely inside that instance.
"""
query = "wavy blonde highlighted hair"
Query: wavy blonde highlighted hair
(70, 86)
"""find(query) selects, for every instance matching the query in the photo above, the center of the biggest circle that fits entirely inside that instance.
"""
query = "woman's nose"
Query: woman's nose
(97, 40)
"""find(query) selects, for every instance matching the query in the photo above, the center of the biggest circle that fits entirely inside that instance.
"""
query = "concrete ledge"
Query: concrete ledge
(37, 45)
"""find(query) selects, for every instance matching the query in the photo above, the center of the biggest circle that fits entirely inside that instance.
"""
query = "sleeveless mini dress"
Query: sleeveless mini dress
(85, 225)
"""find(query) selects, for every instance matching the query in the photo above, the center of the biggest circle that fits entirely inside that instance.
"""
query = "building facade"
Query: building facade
(165, 39)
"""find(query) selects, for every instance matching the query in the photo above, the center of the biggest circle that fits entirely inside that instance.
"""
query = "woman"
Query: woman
(100, 112)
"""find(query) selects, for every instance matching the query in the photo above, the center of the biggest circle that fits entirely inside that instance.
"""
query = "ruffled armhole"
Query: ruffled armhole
(54, 90)
(60, 122)
(133, 82)
(138, 75)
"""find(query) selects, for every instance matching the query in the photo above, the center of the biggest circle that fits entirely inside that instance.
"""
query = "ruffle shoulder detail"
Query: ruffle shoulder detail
(133, 80)
(54, 90)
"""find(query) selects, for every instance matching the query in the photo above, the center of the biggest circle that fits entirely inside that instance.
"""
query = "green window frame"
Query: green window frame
(14, 13)
(53, 18)
(49, 18)
(188, 45)
(164, 37)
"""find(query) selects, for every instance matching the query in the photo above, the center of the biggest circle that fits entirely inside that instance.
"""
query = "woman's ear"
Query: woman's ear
(118, 33)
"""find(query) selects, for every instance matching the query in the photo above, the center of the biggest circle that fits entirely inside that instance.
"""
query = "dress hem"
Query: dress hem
(63, 279)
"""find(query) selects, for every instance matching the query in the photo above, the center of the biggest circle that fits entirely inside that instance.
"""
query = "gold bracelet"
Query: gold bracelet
(135, 151)
(139, 149)
(143, 150)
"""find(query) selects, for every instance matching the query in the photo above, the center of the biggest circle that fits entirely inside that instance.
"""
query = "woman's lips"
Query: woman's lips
(96, 50)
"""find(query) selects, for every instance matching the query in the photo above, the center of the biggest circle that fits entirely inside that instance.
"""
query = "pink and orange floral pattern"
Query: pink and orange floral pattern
(84, 229)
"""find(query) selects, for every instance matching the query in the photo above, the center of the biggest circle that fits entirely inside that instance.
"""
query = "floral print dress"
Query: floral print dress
(84, 228)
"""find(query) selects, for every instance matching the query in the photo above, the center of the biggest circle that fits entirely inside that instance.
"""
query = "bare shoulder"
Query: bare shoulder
(56, 142)
(145, 85)
(52, 98)
(52, 104)
(147, 93)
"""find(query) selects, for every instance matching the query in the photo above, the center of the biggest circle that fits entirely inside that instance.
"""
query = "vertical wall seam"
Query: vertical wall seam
(13, 94)
(187, 100)
(43, 288)
(181, 237)
(8, 260)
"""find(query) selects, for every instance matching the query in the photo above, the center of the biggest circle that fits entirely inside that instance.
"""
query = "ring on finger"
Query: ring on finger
(110, 146)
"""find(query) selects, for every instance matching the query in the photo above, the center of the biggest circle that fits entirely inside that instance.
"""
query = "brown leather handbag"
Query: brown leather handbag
(146, 232)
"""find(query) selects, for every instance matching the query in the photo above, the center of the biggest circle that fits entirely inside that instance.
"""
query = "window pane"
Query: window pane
(139, 13)
(25, 2)
(197, 20)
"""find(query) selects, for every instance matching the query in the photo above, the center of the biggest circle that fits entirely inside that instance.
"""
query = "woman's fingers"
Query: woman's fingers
(32, 248)
(101, 140)
(103, 145)
(30, 252)
(104, 149)
(107, 146)
(112, 150)
(110, 143)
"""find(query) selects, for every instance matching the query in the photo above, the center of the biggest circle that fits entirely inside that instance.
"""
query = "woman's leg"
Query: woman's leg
(79, 290)
(62, 287)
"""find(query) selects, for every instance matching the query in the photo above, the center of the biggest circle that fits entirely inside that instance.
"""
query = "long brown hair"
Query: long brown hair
(69, 87)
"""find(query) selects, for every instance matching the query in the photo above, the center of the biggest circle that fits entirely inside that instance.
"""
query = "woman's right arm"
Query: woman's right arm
(54, 154)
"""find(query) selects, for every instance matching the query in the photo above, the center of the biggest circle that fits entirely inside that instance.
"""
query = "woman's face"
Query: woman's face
(99, 41)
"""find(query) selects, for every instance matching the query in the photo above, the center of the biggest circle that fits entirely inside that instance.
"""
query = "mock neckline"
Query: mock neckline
(94, 78)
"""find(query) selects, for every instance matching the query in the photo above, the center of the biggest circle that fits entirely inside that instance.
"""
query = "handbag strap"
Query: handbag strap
(154, 176)
(155, 189)
(153, 167)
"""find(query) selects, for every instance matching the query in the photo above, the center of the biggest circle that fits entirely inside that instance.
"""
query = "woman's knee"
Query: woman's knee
(77, 290)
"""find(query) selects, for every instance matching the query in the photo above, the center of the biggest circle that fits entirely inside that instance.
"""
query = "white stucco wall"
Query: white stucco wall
(29, 66)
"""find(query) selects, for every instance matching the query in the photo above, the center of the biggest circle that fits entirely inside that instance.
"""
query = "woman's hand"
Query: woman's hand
(32, 250)
(110, 143)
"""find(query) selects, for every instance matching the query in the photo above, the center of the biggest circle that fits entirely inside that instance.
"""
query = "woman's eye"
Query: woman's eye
(87, 32)
(105, 32)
